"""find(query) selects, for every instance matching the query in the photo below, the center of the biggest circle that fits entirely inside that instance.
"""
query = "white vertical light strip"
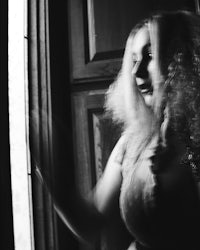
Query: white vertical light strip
(27, 123)
(17, 123)
(197, 6)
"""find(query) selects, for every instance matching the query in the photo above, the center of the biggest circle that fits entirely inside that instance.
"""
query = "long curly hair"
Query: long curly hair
(179, 56)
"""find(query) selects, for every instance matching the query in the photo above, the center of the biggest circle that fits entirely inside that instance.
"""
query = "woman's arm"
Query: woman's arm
(106, 192)
(87, 217)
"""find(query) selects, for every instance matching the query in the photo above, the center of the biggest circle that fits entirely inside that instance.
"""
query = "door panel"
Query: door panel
(94, 137)
(98, 31)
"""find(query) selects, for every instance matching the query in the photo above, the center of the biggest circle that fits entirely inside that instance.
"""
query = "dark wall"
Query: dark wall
(6, 236)
(61, 107)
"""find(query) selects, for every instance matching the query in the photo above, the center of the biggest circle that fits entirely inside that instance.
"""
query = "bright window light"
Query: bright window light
(19, 154)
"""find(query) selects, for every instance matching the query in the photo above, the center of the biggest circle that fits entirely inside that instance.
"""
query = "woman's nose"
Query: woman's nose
(140, 69)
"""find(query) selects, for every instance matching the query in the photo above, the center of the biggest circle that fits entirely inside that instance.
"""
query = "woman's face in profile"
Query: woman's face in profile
(143, 68)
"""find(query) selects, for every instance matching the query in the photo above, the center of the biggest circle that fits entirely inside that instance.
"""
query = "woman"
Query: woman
(157, 97)
(153, 171)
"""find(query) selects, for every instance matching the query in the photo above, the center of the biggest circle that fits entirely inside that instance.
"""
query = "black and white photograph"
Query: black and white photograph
(100, 122)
